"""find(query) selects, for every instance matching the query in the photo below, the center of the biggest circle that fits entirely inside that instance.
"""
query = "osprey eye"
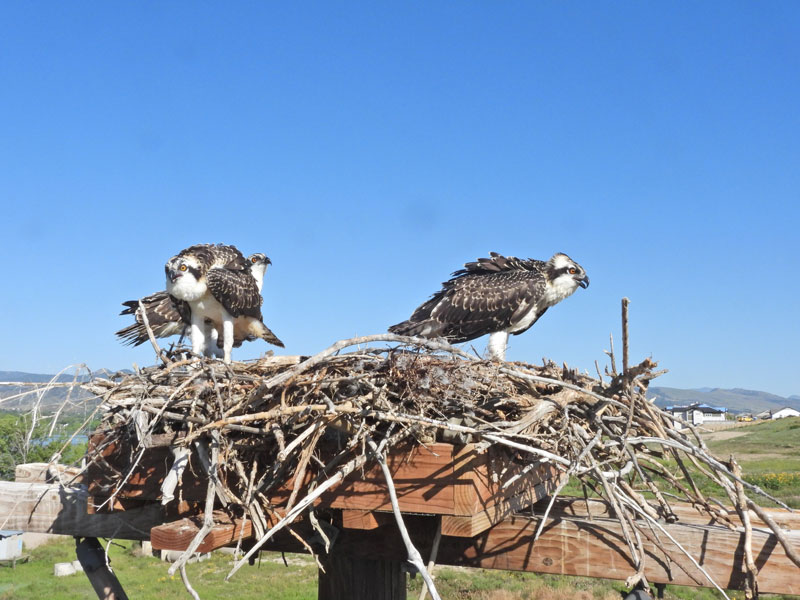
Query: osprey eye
(254, 259)
(182, 267)
(572, 270)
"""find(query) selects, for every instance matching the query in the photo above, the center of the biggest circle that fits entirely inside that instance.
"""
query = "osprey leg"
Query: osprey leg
(497, 345)
(198, 335)
(227, 337)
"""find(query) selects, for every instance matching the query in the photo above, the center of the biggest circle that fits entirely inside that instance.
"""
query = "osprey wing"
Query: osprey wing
(236, 290)
(166, 315)
(472, 306)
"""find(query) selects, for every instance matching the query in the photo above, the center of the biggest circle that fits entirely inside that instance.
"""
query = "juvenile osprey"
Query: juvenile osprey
(498, 296)
(222, 293)
(169, 316)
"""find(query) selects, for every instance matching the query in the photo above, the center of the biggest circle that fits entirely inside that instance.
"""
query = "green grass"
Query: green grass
(146, 578)
(780, 437)
(769, 453)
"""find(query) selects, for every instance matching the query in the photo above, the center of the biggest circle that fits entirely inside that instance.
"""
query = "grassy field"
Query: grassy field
(145, 578)
(769, 453)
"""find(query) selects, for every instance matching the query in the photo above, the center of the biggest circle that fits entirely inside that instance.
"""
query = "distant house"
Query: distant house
(786, 411)
(698, 413)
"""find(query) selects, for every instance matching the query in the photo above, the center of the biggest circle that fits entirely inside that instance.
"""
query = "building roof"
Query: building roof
(697, 406)
(4, 533)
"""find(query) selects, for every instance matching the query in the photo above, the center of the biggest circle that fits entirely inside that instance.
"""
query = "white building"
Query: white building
(786, 411)
(698, 413)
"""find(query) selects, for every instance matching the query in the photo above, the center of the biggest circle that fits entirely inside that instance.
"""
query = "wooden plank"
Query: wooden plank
(423, 478)
(177, 535)
(686, 513)
(472, 525)
(37, 472)
(438, 478)
(363, 519)
(50, 508)
(584, 548)
(597, 549)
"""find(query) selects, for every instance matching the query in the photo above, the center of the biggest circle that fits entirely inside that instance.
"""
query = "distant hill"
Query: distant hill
(735, 400)
(51, 399)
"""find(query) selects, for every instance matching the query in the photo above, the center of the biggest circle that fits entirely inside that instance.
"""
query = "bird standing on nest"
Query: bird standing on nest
(217, 284)
(499, 296)
(168, 316)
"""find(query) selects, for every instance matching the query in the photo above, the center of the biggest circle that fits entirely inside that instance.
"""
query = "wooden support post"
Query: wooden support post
(357, 578)
(93, 560)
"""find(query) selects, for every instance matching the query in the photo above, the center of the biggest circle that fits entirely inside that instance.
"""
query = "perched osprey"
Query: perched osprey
(218, 284)
(169, 316)
(498, 296)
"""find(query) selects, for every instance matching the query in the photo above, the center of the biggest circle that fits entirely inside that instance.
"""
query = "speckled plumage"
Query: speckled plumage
(496, 295)
(166, 315)
(223, 296)
(169, 316)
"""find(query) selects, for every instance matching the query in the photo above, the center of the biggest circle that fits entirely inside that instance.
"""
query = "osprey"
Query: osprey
(498, 295)
(217, 284)
(169, 316)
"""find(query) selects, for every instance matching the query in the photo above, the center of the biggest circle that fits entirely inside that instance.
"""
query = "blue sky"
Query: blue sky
(370, 149)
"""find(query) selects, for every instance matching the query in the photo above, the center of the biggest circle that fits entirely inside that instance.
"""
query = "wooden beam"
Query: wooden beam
(580, 547)
(364, 519)
(472, 525)
(50, 508)
(597, 549)
(177, 535)
(37, 473)
(686, 513)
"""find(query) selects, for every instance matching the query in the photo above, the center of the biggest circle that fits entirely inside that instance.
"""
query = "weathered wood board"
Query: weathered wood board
(49, 508)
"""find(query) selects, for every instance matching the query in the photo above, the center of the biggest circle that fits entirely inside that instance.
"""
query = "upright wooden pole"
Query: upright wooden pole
(353, 578)
(93, 560)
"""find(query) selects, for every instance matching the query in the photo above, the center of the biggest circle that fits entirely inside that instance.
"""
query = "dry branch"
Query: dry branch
(303, 426)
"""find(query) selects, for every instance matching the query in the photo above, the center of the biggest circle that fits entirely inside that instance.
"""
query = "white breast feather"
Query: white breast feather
(556, 291)
(187, 288)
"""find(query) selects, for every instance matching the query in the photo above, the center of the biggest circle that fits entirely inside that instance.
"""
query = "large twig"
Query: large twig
(413, 554)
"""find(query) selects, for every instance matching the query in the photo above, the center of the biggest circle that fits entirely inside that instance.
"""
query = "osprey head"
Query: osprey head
(258, 260)
(258, 266)
(565, 274)
(183, 277)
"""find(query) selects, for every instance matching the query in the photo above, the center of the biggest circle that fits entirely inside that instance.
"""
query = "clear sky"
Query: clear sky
(371, 148)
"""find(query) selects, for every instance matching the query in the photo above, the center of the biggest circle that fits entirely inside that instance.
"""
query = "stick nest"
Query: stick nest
(265, 425)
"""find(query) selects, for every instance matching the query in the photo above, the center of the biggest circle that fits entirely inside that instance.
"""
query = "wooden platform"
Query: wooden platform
(472, 490)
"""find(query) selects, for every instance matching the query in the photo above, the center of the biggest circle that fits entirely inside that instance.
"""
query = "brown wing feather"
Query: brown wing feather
(473, 304)
(236, 290)
(166, 315)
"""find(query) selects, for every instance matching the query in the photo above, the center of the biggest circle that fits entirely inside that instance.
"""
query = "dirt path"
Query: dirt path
(723, 435)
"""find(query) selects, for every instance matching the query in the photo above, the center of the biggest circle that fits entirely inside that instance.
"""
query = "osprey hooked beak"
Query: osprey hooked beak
(173, 274)
(584, 283)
